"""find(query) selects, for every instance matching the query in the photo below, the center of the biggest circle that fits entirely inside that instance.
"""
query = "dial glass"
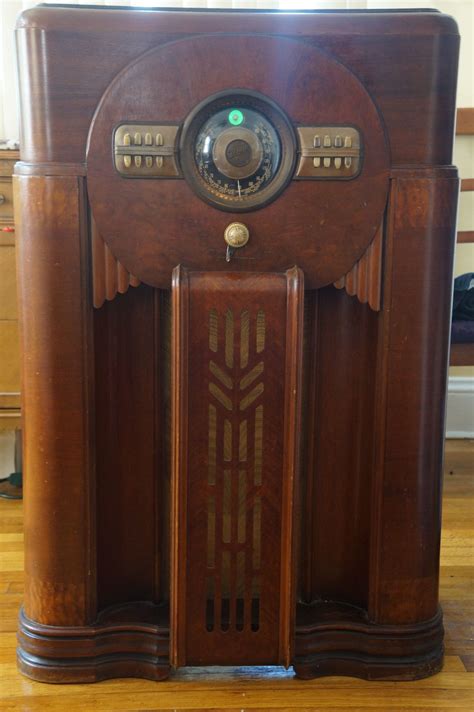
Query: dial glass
(237, 150)
(237, 153)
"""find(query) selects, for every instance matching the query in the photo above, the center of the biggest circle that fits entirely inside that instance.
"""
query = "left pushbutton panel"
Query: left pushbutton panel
(146, 151)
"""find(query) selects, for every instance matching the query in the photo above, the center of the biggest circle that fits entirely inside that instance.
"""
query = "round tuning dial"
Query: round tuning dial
(238, 151)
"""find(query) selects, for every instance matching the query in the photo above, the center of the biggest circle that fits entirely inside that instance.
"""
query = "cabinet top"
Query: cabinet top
(289, 22)
(69, 55)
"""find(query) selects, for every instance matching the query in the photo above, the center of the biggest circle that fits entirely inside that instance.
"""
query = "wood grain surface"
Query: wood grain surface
(60, 561)
(323, 226)
(59, 98)
(97, 381)
(269, 689)
(236, 388)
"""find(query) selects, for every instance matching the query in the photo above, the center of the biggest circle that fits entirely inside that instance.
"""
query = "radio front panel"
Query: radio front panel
(241, 144)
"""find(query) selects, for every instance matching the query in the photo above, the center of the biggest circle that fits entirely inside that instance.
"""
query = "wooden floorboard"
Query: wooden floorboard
(263, 688)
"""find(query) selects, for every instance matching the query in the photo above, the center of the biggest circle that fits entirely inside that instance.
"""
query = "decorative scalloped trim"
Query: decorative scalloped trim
(364, 280)
(109, 276)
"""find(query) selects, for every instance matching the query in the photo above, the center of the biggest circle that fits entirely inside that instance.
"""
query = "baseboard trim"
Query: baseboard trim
(460, 408)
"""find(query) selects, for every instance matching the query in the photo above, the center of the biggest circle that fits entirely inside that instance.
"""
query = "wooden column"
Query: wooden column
(413, 360)
(56, 341)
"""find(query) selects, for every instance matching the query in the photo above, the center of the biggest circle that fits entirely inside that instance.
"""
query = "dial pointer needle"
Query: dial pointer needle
(238, 186)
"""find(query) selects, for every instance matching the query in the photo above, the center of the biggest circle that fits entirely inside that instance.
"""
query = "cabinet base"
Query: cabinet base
(133, 641)
(126, 641)
(338, 639)
(369, 668)
(91, 670)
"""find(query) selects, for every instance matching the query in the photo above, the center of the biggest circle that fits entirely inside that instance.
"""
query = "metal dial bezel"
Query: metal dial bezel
(227, 100)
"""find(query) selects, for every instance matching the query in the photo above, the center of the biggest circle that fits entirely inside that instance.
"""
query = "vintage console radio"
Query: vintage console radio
(236, 235)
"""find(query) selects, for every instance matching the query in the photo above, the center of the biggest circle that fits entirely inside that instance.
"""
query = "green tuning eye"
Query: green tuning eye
(235, 117)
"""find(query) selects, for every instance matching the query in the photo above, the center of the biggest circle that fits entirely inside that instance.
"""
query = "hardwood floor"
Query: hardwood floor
(268, 689)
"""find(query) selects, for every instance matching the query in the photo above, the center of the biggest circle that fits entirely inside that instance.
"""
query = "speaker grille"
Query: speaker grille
(235, 439)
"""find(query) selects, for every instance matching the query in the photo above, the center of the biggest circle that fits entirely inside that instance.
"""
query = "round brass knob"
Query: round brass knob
(236, 234)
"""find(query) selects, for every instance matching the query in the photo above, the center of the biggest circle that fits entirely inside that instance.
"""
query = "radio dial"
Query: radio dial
(237, 150)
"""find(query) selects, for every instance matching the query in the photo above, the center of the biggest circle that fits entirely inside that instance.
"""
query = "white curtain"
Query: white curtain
(10, 9)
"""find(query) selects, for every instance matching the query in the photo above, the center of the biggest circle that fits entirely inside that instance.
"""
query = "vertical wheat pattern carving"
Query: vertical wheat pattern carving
(235, 458)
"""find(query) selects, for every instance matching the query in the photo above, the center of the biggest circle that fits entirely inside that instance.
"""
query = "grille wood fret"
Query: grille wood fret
(236, 408)
(236, 411)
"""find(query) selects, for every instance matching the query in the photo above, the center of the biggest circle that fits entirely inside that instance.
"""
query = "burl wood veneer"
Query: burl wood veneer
(233, 453)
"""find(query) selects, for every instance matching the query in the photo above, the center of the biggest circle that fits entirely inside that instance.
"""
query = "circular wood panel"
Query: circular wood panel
(323, 226)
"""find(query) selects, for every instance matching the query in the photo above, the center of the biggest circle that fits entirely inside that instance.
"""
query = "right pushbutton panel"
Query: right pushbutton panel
(332, 152)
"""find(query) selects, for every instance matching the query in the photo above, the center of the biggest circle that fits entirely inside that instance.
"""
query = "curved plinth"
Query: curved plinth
(126, 641)
(334, 639)
(368, 668)
(133, 641)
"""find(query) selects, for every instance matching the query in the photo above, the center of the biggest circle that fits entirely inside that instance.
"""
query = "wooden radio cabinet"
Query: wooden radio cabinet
(236, 235)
